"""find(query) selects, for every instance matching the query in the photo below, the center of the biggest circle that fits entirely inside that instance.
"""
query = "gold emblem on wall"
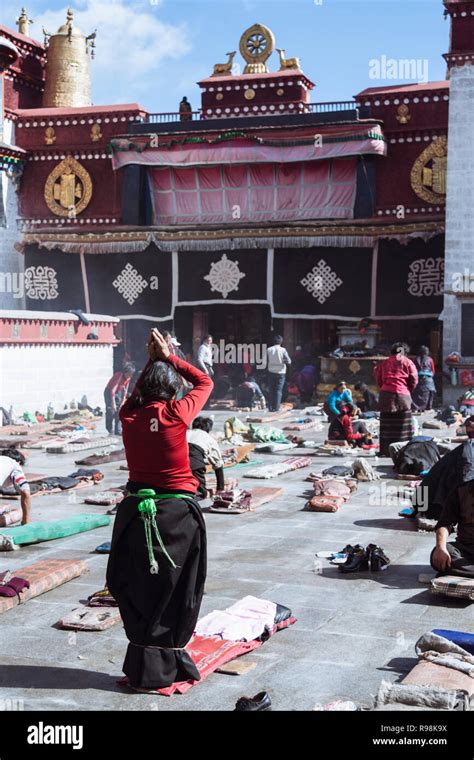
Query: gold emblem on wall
(249, 94)
(68, 189)
(428, 174)
(256, 46)
(403, 116)
(49, 136)
(96, 133)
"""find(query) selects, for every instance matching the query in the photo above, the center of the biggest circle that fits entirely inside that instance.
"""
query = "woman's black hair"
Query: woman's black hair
(160, 382)
(424, 351)
(13, 454)
(129, 367)
(400, 348)
(203, 423)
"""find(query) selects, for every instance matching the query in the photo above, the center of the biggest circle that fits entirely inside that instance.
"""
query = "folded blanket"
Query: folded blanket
(265, 434)
(455, 586)
(279, 468)
(10, 515)
(103, 457)
(68, 448)
(429, 697)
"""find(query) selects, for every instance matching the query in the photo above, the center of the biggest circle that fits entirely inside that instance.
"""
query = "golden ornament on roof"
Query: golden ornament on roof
(23, 22)
(223, 69)
(288, 63)
(256, 46)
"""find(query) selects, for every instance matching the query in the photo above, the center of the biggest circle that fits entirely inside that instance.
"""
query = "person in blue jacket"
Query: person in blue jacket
(338, 397)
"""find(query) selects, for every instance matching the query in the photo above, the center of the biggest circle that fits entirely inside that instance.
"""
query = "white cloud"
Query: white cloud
(133, 46)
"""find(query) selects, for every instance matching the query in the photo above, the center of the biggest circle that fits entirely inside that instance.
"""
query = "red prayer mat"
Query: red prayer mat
(208, 654)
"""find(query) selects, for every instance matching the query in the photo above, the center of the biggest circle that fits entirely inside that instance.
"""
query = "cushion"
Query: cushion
(324, 504)
(454, 585)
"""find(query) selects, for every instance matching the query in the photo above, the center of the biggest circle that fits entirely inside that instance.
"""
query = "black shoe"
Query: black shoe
(347, 549)
(356, 560)
(377, 558)
(260, 701)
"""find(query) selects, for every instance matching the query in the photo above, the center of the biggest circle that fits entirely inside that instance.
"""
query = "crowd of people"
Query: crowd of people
(157, 565)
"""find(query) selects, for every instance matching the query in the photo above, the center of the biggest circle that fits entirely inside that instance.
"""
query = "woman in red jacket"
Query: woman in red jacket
(341, 428)
(397, 377)
(157, 563)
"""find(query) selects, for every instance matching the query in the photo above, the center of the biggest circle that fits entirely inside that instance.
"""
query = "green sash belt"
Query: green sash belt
(147, 509)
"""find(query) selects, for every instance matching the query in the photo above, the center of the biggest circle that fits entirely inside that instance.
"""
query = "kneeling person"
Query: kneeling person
(341, 428)
(456, 557)
(11, 473)
(204, 450)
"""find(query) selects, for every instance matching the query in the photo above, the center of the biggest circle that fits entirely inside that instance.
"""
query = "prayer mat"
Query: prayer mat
(10, 515)
(210, 653)
(36, 532)
(270, 416)
(106, 498)
(70, 448)
(44, 576)
(333, 487)
(259, 495)
(86, 618)
(272, 448)
(429, 674)
(279, 468)
(111, 456)
(454, 586)
(304, 424)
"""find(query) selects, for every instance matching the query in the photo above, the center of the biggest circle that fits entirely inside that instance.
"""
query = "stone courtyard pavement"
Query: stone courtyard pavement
(352, 631)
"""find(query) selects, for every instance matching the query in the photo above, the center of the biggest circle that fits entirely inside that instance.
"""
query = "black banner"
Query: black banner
(410, 278)
(322, 282)
(53, 280)
(123, 284)
(210, 276)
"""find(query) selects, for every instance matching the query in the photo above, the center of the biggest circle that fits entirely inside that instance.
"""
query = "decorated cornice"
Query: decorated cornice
(261, 237)
(383, 99)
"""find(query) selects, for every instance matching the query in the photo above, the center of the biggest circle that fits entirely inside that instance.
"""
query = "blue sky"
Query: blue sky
(154, 51)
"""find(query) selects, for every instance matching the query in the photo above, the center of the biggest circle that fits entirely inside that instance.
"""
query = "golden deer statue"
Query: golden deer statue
(221, 69)
(287, 63)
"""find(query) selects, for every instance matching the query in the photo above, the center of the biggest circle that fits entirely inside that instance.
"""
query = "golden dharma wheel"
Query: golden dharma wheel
(256, 46)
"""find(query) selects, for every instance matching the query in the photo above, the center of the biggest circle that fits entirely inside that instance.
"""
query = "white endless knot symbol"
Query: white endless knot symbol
(41, 283)
(130, 284)
(426, 277)
(224, 276)
(321, 281)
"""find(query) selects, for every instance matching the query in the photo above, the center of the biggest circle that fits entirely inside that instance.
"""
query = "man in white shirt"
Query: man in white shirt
(11, 474)
(204, 356)
(277, 361)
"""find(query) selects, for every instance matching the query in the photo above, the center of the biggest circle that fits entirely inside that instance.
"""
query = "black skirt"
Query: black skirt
(159, 612)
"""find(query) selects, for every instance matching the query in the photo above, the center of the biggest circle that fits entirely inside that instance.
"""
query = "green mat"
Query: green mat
(244, 464)
(35, 532)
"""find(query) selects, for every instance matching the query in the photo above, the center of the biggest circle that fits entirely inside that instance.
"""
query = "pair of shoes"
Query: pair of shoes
(359, 558)
(260, 701)
(377, 558)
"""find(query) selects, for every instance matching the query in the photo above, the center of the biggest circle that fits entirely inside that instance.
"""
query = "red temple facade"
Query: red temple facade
(263, 211)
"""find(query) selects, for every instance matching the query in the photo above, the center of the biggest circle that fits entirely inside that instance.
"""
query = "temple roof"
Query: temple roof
(392, 89)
